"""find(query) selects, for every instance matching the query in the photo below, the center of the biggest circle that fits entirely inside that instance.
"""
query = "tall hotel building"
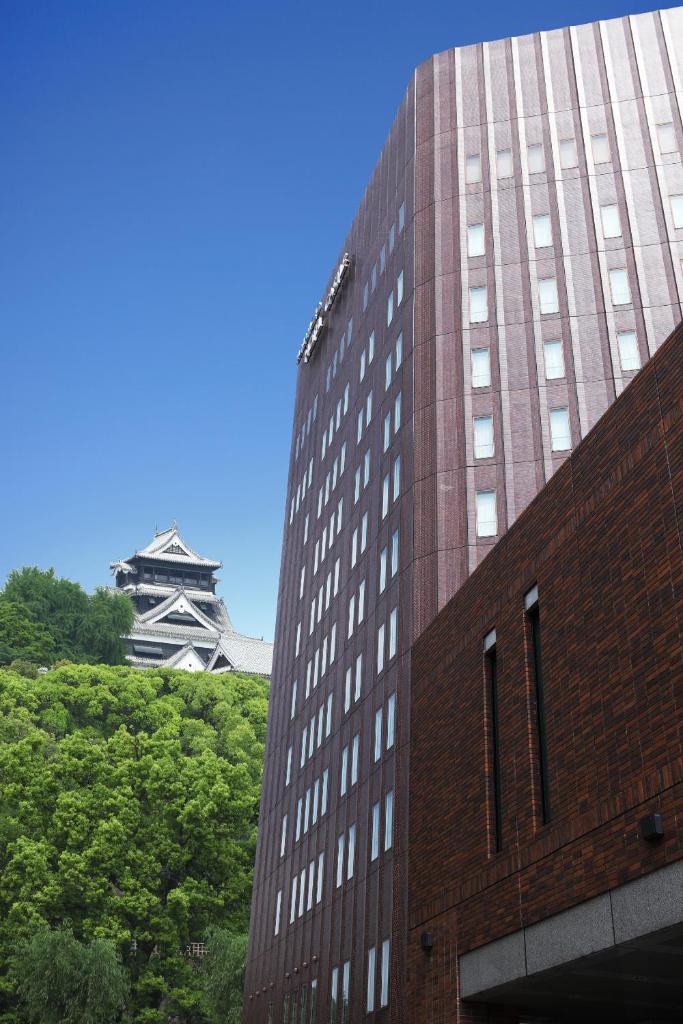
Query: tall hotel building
(516, 258)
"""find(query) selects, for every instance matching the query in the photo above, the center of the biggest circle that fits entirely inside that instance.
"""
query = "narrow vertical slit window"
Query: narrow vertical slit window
(491, 668)
(532, 611)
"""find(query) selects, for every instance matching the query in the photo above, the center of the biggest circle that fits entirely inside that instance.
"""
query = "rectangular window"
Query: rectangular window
(531, 608)
(391, 720)
(307, 809)
(560, 434)
(366, 295)
(475, 240)
(397, 412)
(393, 632)
(387, 372)
(366, 468)
(390, 308)
(321, 865)
(292, 905)
(359, 427)
(487, 519)
(352, 612)
(380, 648)
(536, 158)
(292, 710)
(340, 859)
(600, 147)
(398, 351)
(344, 771)
(491, 667)
(378, 735)
(397, 477)
(382, 570)
(304, 738)
(677, 211)
(554, 360)
(547, 295)
(629, 355)
(359, 677)
(364, 532)
(370, 1003)
(386, 434)
(328, 723)
(373, 277)
(361, 600)
(316, 799)
(302, 891)
(619, 287)
(383, 250)
(374, 841)
(399, 289)
(351, 852)
(483, 437)
(481, 368)
(611, 225)
(384, 986)
(283, 835)
(666, 138)
(473, 168)
(504, 163)
(347, 690)
(543, 235)
(334, 989)
(311, 881)
(323, 798)
(354, 547)
(356, 486)
(389, 820)
(278, 908)
(288, 777)
(355, 746)
(346, 984)
(401, 216)
(568, 155)
(479, 309)
(394, 553)
(385, 496)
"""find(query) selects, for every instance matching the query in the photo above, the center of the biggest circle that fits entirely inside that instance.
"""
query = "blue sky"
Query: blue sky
(176, 180)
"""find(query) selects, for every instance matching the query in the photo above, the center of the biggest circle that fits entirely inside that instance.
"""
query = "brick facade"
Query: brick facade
(602, 542)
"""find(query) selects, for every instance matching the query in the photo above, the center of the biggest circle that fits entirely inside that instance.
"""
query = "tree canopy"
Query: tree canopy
(128, 811)
(44, 619)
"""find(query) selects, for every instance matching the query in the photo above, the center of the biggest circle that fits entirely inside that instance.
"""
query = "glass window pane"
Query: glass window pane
(619, 287)
(479, 310)
(481, 368)
(475, 240)
(483, 437)
(611, 224)
(536, 158)
(554, 359)
(628, 350)
(487, 520)
(677, 211)
(542, 230)
(504, 163)
(473, 168)
(547, 295)
(600, 146)
(560, 434)
(666, 137)
(568, 157)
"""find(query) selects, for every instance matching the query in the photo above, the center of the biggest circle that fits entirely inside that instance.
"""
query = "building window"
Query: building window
(386, 439)
(394, 553)
(380, 648)
(473, 168)
(481, 368)
(483, 437)
(334, 990)
(382, 570)
(311, 881)
(666, 138)
(399, 289)
(399, 350)
(568, 156)
(397, 412)
(390, 308)
(533, 617)
(283, 835)
(340, 859)
(373, 277)
(475, 240)
(370, 1003)
(385, 496)
(391, 720)
(383, 250)
(292, 905)
(542, 231)
(384, 984)
(344, 773)
(323, 798)
(504, 163)
(536, 158)
(389, 820)
(278, 908)
(346, 979)
(553, 355)
(393, 633)
(629, 355)
(374, 842)
(292, 710)
(479, 307)
(321, 866)
(288, 776)
(397, 477)
(677, 211)
(487, 521)
(387, 372)
(600, 147)
(355, 747)
(491, 667)
(619, 287)
(560, 434)
(359, 677)
(378, 735)
(401, 216)
(547, 295)
(351, 852)
(302, 891)
(611, 224)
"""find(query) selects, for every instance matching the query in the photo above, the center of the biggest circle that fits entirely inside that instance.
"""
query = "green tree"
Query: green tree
(21, 637)
(128, 808)
(82, 627)
(64, 981)
(223, 974)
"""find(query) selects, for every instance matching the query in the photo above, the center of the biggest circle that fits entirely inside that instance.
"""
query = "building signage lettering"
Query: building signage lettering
(317, 324)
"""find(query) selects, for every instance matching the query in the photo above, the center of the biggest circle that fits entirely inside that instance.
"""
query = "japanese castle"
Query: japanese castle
(180, 622)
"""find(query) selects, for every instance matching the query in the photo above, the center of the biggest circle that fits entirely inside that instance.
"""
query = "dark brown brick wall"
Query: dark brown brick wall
(602, 541)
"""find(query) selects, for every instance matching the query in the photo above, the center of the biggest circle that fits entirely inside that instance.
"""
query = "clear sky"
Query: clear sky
(176, 179)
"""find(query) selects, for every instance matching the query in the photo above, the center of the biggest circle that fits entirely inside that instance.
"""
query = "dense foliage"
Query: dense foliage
(128, 812)
(44, 619)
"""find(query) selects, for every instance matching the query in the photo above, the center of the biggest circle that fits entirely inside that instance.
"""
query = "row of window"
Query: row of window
(305, 428)
(335, 422)
(568, 154)
(370, 286)
(560, 433)
(338, 355)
